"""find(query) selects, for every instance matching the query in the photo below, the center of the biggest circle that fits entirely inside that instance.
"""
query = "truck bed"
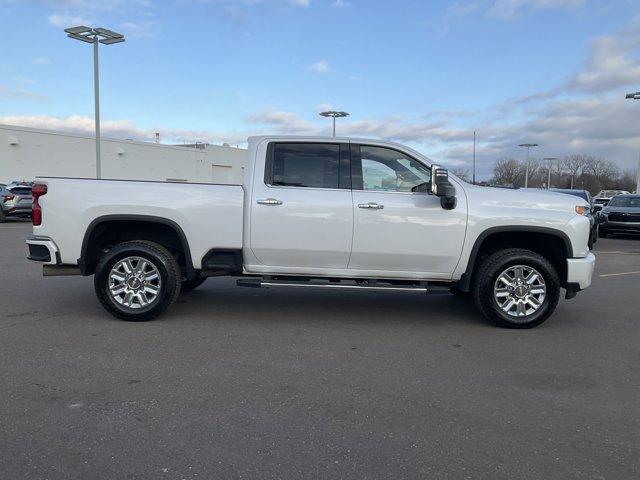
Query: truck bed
(209, 216)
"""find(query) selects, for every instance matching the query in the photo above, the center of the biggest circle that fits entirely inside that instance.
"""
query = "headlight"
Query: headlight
(582, 210)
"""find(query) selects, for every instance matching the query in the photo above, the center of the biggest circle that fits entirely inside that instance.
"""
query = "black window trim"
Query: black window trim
(344, 165)
(356, 168)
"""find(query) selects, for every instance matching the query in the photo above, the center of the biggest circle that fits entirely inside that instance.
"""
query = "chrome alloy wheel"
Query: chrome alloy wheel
(134, 282)
(519, 291)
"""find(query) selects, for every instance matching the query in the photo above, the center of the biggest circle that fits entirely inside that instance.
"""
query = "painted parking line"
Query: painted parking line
(622, 273)
(617, 253)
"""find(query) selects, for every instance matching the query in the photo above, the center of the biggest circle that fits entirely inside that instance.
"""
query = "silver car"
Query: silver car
(15, 201)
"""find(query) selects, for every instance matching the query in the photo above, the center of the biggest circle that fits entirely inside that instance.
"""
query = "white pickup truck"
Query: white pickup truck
(323, 213)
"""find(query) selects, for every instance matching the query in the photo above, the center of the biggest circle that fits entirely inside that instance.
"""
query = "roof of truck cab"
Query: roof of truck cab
(325, 139)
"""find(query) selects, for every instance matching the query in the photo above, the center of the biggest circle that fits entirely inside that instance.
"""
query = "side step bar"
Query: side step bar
(337, 284)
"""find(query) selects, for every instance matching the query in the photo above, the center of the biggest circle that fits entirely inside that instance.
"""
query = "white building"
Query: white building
(26, 153)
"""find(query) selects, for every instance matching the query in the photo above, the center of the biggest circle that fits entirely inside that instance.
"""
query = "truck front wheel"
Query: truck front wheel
(516, 288)
(137, 281)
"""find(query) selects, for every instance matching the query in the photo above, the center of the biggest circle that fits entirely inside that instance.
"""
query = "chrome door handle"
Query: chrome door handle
(269, 201)
(371, 206)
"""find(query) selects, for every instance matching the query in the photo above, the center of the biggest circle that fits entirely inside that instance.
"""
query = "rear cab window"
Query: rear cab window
(24, 191)
(307, 165)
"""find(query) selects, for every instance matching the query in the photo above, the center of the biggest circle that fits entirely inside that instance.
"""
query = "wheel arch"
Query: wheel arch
(125, 227)
(549, 242)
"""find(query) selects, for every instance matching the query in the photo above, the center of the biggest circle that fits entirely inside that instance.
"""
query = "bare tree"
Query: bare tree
(509, 172)
(627, 181)
(605, 171)
(574, 164)
(461, 172)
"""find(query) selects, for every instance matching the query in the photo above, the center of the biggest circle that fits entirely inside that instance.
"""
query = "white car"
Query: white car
(317, 213)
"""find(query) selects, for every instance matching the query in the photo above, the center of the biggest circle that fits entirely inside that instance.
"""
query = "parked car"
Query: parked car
(15, 201)
(590, 214)
(318, 212)
(603, 197)
(621, 215)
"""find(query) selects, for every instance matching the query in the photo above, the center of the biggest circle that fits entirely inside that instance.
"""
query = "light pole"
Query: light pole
(549, 159)
(474, 157)
(636, 96)
(333, 114)
(526, 172)
(106, 37)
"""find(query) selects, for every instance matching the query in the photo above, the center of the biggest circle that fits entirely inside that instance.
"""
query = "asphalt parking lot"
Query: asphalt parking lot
(248, 383)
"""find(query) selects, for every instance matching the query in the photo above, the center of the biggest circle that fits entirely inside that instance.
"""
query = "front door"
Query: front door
(397, 230)
(301, 212)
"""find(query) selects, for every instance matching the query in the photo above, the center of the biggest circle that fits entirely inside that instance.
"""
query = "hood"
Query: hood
(526, 198)
(609, 209)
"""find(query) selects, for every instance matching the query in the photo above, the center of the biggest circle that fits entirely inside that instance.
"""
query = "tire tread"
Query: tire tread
(169, 262)
(483, 286)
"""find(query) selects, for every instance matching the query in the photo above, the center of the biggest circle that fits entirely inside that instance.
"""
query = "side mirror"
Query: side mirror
(441, 187)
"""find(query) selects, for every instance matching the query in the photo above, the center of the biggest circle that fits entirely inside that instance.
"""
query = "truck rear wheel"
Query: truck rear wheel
(516, 288)
(137, 281)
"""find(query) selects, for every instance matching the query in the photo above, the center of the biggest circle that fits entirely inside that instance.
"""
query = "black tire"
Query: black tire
(3, 217)
(602, 232)
(169, 284)
(188, 285)
(495, 265)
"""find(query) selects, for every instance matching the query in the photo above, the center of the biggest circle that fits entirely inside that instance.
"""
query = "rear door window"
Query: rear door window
(312, 165)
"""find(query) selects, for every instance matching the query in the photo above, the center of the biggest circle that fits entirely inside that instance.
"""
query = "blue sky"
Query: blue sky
(425, 73)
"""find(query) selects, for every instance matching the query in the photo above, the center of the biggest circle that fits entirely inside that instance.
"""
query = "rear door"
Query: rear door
(301, 211)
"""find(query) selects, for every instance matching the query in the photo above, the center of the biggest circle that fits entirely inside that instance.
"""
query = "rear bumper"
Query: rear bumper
(580, 271)
(16, 210)
(43, 250)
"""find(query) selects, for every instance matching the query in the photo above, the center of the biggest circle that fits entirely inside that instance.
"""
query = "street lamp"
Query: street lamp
(635, 96)
(333, 114)
(526, 173)
(474, 157)
(106, 37)
(549, 159)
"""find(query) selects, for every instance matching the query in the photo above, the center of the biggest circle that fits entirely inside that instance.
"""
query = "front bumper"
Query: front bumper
(43, 250)
(631, 227)
(580, 270)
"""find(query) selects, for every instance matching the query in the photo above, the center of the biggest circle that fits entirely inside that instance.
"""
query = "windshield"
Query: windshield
(21, 190)
(625, 201)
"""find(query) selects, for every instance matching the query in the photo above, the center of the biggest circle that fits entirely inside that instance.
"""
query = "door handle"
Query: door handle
(371, 206)
(269, 201)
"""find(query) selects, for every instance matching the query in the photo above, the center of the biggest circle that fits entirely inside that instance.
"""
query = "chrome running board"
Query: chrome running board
(334, 284)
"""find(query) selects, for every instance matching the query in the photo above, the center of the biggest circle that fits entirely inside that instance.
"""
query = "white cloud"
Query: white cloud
(300, 3)
(66, 20)
(284, 122)
(123, 129)
(508, 9)
(41, 61)
(18, 93)
(612, 62)
(340, 4)
(138, 29)
(133, 14)
(320, 67)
